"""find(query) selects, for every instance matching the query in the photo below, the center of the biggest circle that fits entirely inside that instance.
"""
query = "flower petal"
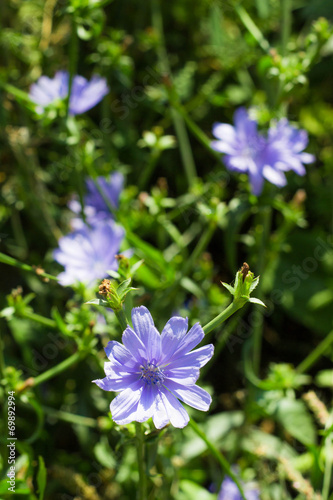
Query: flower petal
(116, 384)
(142, 321)
(222, 147)
(191, 339)
(124, 406)
(193, 395)
(134, 345)
(160, 416)
(154, 345)
(224, 132)
(173, 332)
(177, 414)
(85, 95)
(146, 405)
(116, 351)
(187, 375)
(274, 176)
(198, 357)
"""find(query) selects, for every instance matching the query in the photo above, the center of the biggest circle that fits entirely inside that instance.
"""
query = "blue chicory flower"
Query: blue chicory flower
(247, 151)
(88, 253)
(229, 491)
(285, 147)
(84, 95)
(96, 205)
(153, 371)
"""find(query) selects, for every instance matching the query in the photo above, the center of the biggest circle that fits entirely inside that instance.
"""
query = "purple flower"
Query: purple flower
(87, 254)
(96, 205)
(229, 491)
(285, 147)
(248, 151)
(48, 90)
(153, 371)
(84, 95)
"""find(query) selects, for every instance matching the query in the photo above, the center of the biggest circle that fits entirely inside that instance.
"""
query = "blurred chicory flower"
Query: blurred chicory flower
(96, 205)
(84, 95)
(153, 371)
(247, 151)
(229, 491)
(88, 253)
(285, 147)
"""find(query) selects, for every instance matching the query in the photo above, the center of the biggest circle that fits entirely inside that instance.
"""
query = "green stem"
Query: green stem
(265, 216)
(183, 140)
(73, 57)
(185, 147)
(199, 248)
(149, 169)
(38, 319)
(221, 341)
(55, 370)
(252, 28)
(121, 317)
(216, 453)
(224, 315)
(315, 354)
(71, 417)
(197, 132)
(140, 449)
(5, 259)
(286, 6)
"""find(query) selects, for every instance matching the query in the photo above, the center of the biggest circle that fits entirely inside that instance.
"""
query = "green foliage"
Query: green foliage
(173, 69)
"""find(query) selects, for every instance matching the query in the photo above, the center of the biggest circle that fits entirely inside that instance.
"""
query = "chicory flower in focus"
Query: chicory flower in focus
(247, 151)
(229, 491)
(84, 94)
(152, 371)
(98, 199)
(88, 253)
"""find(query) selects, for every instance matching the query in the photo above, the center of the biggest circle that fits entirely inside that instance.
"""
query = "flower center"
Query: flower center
(151, 374)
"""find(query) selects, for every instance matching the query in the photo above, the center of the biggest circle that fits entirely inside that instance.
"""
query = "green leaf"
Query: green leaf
(136, 266)
(7, 312)
(122, 287)
(253, 300)
(41, 477)
(229, 288)
(190, 490)
(98, 302)
(190, 286)
(254, 284)
(104, 453)
(114, 274)
(324, 378)
(270, 446)
(294, 417)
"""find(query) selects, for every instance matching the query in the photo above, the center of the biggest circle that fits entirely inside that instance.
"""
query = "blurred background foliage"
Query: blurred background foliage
(174, 68)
